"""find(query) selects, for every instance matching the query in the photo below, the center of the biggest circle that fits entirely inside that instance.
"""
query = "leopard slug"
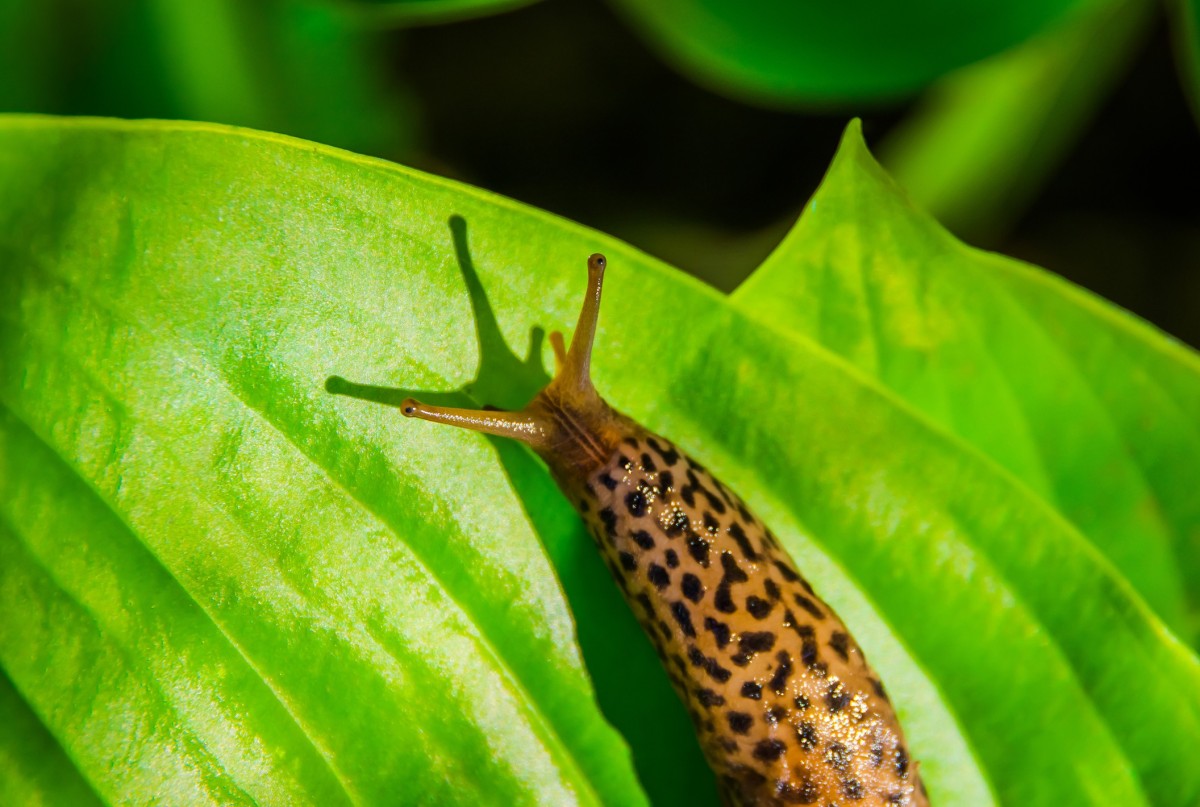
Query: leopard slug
(784, 704)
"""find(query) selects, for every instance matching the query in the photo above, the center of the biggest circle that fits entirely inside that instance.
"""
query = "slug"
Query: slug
(784, 704)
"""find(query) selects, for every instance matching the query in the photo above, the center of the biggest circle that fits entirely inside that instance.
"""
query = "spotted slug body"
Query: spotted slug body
(785, 706)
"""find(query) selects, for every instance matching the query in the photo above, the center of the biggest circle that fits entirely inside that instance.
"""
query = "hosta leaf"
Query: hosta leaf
(33, 768)
(259, 589)
(787, 52)
(1095, 411)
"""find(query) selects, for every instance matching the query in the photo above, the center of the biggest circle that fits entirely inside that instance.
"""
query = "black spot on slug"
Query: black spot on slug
(648, 464)
(658, 576)
(691, 587)
(752, 690)
(733, 572)
(739, 722)
(635, 501)
(836, 697)
(758, 607)
(852, 789)
(672, 559)
(607, 481)
(769, 750)
(808, 605)
(901, 762)
(609, 519)
(698, 548)
(709, 665)
(719, 630)
(665, 482)
(709, 698)
(669, 455)
(710, 522)
(676, 523)
(789, 793)
(628, 562)
(756, 642)
(643, 539)
(771, 588)
(714, 502)
(684, 617)
(840, 644)
(786, 571)
(743, 542)
(808, 652)
(806, 734)
(801, 702)
(647, 606)
(782, 673)
(837, 756)
(722, 600)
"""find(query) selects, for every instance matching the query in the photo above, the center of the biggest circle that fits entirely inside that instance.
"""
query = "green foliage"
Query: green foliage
(984, 138)
(789, 52)
(412, 12)
(1187, 36)
(1093, 410)
(295, 66)
(217, 572)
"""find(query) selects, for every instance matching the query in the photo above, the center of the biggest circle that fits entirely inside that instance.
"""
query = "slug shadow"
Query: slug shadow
(632, 690)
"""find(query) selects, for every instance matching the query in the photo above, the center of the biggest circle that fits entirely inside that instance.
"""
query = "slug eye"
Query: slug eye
(597, 261)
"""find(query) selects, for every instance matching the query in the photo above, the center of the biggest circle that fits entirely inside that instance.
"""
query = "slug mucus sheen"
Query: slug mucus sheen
(785, 706)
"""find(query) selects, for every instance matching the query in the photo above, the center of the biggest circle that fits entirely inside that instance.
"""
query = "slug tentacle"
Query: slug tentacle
(567, 422)
(518, 425)
(560, 350)
(784, 703)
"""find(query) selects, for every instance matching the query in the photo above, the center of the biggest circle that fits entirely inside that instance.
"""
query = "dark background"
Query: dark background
(572, 113)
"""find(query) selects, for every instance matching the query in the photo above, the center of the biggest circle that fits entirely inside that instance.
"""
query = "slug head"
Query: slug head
(567, 423)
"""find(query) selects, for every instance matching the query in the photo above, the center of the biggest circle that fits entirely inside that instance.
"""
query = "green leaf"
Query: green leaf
(255, 589)
(1186, 18)
(423, 12)
(301, 67)
(33, 768)
(789, 52)
(984, 138)
(1094, 411)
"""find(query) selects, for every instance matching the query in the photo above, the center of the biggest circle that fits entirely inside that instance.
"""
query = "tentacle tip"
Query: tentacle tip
(597, 262)
(409, 407)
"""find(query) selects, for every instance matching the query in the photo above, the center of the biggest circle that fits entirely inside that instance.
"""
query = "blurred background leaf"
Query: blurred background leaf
(417, 12)
(1187, 43)
(295, 66)
(981, 142)
(829, 51)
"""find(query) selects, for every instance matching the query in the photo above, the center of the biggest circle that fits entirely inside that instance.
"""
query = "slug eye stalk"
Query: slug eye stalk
(567, 421)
